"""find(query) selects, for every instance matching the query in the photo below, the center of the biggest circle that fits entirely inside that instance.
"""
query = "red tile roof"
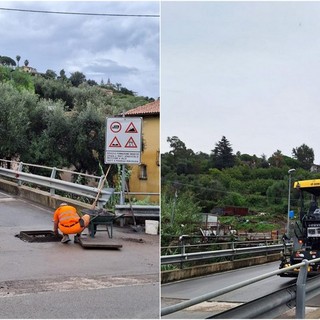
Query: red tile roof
(147, 109)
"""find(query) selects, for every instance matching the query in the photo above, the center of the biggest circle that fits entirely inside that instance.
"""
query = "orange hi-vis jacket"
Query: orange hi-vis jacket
(68, 220)
(67, 216)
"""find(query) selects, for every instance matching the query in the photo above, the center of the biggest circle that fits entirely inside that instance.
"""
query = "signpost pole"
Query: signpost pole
(123, 145)
(123, 184)
(123, 179)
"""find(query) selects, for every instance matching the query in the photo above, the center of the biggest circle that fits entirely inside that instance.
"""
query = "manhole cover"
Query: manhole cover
(39, 236)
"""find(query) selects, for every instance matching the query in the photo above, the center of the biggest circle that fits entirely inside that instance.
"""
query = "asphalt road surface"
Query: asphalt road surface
(64, 281)
(174, 293)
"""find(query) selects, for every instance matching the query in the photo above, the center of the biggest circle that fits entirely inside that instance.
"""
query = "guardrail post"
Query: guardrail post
(301, 291)
(53, 176)
(17, 175)
(267, 244)
(233, 249)
(101, 182)
(183, 251)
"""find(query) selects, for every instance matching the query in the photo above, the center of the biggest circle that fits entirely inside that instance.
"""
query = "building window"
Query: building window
(158, 158)
(143, 172)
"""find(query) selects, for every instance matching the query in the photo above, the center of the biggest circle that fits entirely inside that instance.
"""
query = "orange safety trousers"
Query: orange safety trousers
(76, 228)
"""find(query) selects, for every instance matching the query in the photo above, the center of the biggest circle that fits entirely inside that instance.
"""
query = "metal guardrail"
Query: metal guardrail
(233, 252)
(51, 182)
(266, 307)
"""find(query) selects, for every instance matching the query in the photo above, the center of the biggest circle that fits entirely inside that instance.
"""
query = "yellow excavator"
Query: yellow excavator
(306, 232)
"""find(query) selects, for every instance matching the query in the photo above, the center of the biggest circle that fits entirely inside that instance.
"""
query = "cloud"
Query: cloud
(121, 48)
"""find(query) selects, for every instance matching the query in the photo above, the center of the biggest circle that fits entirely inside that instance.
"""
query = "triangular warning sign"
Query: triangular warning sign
(131, 128)
(131, 143)
(115, 143)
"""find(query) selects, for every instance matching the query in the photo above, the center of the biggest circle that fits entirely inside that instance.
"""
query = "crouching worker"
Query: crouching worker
(69, 221)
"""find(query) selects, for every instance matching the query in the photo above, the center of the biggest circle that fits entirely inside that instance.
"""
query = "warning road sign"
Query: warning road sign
(115, 143)
(123, 139)
(131, 143)
(131, 128)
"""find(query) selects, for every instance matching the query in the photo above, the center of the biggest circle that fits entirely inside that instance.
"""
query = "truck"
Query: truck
(303, 242)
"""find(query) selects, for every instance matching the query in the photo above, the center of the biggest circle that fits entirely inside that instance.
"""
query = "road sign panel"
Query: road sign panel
(123, 138)
(123, 157)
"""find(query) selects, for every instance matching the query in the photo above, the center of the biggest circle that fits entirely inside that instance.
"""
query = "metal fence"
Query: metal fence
(270, 306)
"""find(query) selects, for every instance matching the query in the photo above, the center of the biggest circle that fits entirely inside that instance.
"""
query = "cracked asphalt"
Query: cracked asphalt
(65, 281)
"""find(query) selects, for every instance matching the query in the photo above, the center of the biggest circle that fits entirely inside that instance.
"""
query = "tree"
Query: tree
(126, 91)
(304, 155)
(62, 75)
(180, 215)
(57, 137)
(222, 154)
(18, 59)
(92, 82)
(26, 62)
(176, 145)
(50, 74)
(87, 140)
(14, 120)
(180, 158)
(7, 61)
(22, 80)
(264, 162)
(277, 159)
(277, 195)
(77, 78)
(19, 80)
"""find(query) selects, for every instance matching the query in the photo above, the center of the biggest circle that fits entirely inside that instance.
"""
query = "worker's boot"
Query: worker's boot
(65, 239)
(77, 238)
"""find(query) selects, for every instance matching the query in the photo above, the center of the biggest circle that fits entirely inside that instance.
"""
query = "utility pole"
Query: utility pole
(289, 192)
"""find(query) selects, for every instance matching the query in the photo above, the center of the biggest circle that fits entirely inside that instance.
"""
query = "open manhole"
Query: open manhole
(39, 236)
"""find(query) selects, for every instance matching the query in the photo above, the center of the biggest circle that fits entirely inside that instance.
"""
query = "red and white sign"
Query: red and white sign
(115, 127)
(123, 140)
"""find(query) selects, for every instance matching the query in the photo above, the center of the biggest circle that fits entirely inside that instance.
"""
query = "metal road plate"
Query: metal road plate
(39, 236)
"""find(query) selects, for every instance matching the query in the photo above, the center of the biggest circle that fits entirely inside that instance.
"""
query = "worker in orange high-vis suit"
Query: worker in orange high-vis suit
(69, 221)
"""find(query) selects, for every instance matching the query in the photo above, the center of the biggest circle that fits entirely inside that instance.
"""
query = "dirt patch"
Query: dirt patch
(21, 287)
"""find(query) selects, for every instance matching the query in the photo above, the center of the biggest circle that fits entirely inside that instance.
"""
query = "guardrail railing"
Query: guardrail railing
(20, 172)
(234, 249)
(269, 306)
(196, 256)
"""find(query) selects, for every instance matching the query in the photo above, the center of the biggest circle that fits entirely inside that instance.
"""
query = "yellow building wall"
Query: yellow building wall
(149, 157)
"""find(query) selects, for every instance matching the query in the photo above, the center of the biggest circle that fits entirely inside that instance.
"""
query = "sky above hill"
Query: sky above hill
(245, 70)
(124, 49)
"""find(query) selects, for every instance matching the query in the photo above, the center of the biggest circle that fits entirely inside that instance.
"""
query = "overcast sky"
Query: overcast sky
(124, 49)
(249, 71)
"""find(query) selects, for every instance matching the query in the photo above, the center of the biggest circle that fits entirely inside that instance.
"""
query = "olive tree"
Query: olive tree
(14, 120)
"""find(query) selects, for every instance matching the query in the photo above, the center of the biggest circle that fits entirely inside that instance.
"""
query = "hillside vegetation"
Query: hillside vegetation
(198, 182)
(58, 121)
